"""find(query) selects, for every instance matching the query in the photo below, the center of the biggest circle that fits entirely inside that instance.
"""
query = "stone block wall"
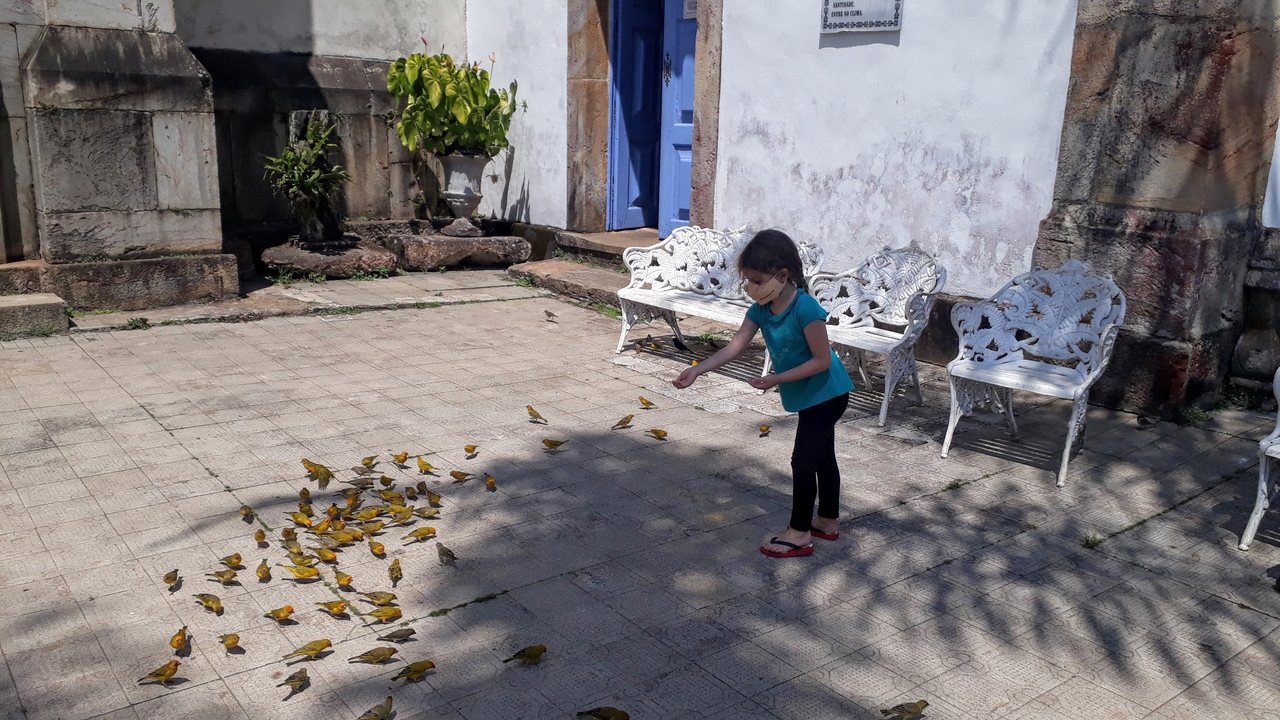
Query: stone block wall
(1166, 145)
(124, 162)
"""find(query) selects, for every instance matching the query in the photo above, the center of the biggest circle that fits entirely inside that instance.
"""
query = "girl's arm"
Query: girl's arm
(740, 341)
(815, 333)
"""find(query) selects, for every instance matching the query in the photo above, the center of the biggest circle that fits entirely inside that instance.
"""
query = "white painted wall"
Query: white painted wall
(531, 40)
(946, 133)
(377, 29)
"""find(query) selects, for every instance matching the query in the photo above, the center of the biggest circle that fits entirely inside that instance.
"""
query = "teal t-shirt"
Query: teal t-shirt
(784, 336)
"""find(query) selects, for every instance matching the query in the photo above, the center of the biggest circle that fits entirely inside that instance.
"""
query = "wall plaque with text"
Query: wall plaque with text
(861, 15)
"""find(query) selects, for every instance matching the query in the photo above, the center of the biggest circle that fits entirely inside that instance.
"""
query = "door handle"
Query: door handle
(666, 70)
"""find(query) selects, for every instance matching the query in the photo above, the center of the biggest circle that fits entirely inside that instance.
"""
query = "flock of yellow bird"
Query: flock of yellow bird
(340, 526)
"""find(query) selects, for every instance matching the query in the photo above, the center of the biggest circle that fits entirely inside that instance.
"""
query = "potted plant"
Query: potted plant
(451, 111)
(309, 181)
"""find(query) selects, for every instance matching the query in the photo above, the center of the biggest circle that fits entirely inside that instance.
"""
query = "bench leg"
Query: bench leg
(1075, 431)
(1261, 504)
(679, 340)
(628, 319)
(1006, 399)
(956, 412)
(860, 357)
(915, 378)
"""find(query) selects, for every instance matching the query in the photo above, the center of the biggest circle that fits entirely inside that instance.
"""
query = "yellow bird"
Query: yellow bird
(280, 614)
(230, 641)
(296, 681)
(361, 483)
(401, 457)
(172, 578)
(264, 571)
(422, 533)
(260, 537)
(386, 482)
(402, 516)
(379, 598)
(553, 445)
(322, 526)
(246, 512)
(386, 614)
(397, 636)
(232, 561)
(302, 560)
(367, 514)
(764, 430)
(426, 513)
(534, 415)
(344, 580)
(226, 577)
(446, 555)
(459, 476)
(646, 403)
(336, 608)
(333, 511)
(434, 498)
(657, 433)
(161, 675)
(322, 475)
(529, 656)
(470, 449)
(394, 572)
(179, 639)
(378, 549)
(414, 671)
(906, 711)
(604, 713)
(299, 518)
(325, 554)
(424, 467)
(693, 363)
(490, 483)
(369, 461)
(551, 317)
(410, 493)
(293, 546)
(624, 423)
(391, 496)
(311, 649)
(305, 509)
(301, 572)
(304, 495)
(381, 711)
(376, 656)
(372, 528)
(212, 603)
(288, 535)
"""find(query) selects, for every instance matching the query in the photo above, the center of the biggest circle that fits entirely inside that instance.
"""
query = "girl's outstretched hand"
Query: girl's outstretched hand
(763, 383)
(686, 378)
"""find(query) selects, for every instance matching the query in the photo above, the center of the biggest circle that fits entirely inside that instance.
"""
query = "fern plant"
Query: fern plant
(308, 180)
(450, 107)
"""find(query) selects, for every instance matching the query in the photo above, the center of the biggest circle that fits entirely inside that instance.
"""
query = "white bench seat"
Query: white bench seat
(704, 306)
(1032, 376)
(1268, 451)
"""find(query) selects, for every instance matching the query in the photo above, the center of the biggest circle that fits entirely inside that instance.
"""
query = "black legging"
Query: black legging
(815, 472)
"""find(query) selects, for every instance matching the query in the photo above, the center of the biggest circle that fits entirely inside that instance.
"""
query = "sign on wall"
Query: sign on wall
(690, 9)
(861, 15)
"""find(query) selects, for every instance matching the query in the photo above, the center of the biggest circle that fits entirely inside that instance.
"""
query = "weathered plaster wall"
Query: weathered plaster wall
(383, 30)
(945, 133)
(529, 182)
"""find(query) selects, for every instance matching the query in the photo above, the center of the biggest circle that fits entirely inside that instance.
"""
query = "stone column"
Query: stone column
(1166, 144)
(588, 113)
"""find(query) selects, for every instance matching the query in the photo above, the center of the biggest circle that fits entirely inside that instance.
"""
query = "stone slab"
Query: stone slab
(37, 313)
(186, 162)
(20, 277)
(428, 252)
(563, 277)
(18, 206)
(147, 71)
(27, 12)
(69, 237)
(110, 14)
(365, 257)
(11, 103)
(137, 284)
(94, 161)
(362, 142)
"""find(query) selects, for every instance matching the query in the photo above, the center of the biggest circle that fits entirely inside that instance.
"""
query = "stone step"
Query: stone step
(606, 247)
(575, 280)
(32, 314)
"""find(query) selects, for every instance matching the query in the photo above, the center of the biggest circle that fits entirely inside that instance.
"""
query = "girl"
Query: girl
(811, 379)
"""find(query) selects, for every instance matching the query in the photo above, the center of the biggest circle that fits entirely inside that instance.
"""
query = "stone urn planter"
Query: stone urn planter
(462, 176)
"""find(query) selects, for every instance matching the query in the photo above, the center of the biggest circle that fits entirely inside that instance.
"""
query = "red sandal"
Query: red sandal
(824, 535)
(795, 551)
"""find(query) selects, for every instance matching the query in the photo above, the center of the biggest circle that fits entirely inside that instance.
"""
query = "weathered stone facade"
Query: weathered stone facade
(1166, 145)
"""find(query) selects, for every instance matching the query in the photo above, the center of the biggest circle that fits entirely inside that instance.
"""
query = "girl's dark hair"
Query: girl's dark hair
(770, 251)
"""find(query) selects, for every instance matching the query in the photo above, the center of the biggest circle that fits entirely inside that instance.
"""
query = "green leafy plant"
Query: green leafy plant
(373, 274)
(308, 180)
(450, 107)
(138, 323)
(316, 277)
(1194, 417)
(284, 276)
(1091, 541)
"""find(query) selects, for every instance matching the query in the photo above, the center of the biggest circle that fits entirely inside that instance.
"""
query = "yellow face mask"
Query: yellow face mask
(765, 292)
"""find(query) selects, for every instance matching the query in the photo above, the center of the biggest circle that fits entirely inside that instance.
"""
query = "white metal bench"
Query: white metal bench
(694, 272)
(1049, 332)
(1268, 454)
(895, 288)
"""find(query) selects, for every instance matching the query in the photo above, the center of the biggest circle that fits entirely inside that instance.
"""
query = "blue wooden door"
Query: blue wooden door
(636, 75)
(676, 175)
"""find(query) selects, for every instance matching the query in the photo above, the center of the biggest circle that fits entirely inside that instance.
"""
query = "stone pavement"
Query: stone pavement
(124, 455)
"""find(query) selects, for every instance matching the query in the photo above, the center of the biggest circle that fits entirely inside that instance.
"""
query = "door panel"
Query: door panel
(676, 173)
(635, 132)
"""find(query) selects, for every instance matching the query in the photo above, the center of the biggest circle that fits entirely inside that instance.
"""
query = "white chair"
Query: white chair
(1049, 332)
(896, 288)
(1268, 453)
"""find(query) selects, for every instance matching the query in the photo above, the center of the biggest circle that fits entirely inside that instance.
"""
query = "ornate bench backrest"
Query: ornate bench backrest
(1067, 316)
(882, 288)
(700, 260)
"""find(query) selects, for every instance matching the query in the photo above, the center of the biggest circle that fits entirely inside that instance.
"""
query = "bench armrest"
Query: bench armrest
(969, 320)
(919, 308)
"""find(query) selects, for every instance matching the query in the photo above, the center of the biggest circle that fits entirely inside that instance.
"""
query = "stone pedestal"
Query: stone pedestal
(1166, 143)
